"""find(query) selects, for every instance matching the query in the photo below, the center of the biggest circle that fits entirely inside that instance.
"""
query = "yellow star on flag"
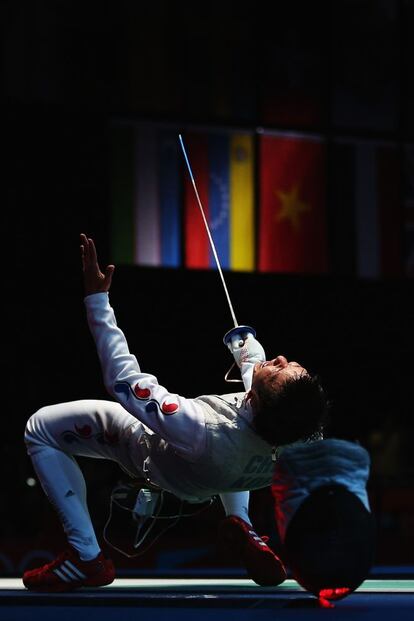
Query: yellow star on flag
(292, 207)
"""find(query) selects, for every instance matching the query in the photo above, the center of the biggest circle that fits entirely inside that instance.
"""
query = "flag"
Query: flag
(293, 227)
(146, 196)
(218, 196)
(366, 209)
(196, 240)
(242, 203)
(170, 197)
(223, 169)
(147, 246)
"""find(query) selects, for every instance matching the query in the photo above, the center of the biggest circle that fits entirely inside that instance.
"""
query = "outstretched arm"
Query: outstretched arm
(177, 420)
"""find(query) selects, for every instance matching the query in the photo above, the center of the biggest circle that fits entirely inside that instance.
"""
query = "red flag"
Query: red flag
(196, 240)
(292, 229)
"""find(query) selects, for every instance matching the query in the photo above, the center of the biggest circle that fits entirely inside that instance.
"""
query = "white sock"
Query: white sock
(64, 485)
(237, 503)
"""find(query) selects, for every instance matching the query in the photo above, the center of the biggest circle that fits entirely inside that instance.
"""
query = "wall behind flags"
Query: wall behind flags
(298, 119)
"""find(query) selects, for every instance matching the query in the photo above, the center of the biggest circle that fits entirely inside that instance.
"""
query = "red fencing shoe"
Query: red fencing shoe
(68, 572)
(261, 563)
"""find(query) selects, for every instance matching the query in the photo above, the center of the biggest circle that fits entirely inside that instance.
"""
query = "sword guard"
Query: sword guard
(238, 331)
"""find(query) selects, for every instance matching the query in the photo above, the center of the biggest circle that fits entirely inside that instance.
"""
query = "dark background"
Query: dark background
(69, 70)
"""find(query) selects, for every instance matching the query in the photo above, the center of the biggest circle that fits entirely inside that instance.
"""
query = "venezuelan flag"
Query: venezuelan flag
(223, 168)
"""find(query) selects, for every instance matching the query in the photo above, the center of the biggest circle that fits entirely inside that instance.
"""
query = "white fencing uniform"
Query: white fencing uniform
(194, 448)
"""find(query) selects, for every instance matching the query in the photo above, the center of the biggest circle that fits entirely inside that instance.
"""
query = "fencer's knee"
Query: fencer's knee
(35, 426)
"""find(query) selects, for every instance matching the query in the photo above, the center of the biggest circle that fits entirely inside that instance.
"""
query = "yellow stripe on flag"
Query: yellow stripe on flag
(241, 203)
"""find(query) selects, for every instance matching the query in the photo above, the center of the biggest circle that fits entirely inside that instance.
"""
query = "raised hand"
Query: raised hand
(94, 280)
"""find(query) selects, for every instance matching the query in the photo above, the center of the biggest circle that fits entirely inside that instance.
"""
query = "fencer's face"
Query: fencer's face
(276, 372)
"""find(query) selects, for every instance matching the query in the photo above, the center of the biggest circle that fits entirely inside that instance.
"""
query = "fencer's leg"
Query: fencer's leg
(236, 503)
(53, 436)
(64, 485)
(236, 533)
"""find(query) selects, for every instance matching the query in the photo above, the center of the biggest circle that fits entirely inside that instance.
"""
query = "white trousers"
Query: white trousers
(89, 428)
(100, 429)
(56, 434)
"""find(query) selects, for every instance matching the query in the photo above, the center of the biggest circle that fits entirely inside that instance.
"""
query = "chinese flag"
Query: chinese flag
(292, 228)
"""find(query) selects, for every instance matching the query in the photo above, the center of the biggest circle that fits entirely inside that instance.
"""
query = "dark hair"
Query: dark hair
(329, 544)
(296, 411)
